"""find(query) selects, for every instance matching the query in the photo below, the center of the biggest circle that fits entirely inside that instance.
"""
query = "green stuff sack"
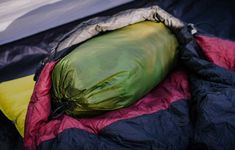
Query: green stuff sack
(115, 69)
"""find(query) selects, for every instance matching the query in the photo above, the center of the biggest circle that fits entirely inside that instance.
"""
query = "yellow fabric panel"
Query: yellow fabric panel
(14, 99)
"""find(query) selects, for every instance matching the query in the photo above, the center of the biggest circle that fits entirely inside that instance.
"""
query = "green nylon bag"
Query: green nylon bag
(115, 69)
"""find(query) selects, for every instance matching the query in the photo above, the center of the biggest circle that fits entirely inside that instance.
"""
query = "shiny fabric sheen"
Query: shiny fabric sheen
(115, 69)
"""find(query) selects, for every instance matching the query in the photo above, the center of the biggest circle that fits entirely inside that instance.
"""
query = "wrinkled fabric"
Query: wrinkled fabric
(213, 95)
(92, 27)
(209, 112)
(114, 70)
(207, 115)
(175, 88)
(164, 130)
(22, 57)
(215, 50)
(210, 17)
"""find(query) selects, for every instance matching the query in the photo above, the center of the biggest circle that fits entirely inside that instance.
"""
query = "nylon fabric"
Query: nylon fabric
(14, 99)
(40, 129)
(174, 121)
(115, 69)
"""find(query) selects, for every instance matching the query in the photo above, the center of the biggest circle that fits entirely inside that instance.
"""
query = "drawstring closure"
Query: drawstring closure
(60, 108)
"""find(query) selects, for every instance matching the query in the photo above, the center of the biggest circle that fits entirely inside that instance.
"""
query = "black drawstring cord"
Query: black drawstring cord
(60, 109)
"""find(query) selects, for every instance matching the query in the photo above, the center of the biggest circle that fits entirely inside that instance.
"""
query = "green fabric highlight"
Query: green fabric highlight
(114, 70)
